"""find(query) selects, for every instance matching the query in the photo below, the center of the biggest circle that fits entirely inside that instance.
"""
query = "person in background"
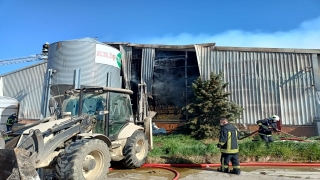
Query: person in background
(11, 120)
(266, 126)
(228, 145)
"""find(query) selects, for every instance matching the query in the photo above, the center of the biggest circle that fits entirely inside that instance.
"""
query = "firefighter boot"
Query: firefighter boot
(225, 170)
(235, 171)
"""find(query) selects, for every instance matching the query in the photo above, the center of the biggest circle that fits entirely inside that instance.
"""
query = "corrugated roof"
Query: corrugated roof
(21, 69)
(258, 49)
(160, 46)
(218, 48)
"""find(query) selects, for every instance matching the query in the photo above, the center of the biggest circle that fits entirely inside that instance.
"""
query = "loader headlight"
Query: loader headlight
(103, 112)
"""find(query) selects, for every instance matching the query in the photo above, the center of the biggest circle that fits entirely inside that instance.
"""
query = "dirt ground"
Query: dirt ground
(261, 173)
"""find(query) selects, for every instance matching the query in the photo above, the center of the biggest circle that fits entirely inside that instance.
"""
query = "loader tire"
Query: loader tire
(86, 159)
(136, 150)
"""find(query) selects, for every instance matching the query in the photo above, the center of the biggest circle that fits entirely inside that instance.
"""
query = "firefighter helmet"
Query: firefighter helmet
(275, 118)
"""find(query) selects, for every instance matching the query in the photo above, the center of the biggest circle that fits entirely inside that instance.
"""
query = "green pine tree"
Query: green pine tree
(211, 103)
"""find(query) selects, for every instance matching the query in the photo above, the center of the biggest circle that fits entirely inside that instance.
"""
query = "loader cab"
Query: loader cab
(111, 108)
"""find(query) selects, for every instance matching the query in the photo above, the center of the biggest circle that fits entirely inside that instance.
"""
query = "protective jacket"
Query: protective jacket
(11, 120)
(266, 126)
(228, 140)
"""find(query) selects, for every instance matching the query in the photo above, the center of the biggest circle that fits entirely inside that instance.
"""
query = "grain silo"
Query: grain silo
(83, 62)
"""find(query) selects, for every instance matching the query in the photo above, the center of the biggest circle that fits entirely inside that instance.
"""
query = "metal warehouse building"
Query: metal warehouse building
(26, 85)
(264, 81)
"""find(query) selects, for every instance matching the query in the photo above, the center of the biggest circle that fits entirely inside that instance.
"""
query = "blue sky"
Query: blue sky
(26, 25)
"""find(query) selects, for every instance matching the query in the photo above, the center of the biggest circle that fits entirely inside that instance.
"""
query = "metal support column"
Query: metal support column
(47, 92)
(108, 84)
(140, 111)
(186, 79)
(77, 78)
(145, 99)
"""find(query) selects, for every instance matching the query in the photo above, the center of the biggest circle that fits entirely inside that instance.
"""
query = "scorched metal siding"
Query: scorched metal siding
(148, 56)
(126, 58)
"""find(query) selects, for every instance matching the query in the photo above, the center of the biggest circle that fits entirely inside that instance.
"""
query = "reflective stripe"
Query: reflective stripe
(236, 167)
(221, 143)
(268, 135)
(229, 142)
(237, 136)
(233, 151)
(264, 134)
(222, 164)
(10, 122)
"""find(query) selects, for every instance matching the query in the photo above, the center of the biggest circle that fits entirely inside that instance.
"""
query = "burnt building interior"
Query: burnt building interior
(174, 71)
(173, 74)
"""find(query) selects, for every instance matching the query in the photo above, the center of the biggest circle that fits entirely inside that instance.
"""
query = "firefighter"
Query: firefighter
(266, 126)
(228, 145)
(11, 119)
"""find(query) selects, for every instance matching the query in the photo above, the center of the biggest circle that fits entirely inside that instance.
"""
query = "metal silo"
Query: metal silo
(83, 62)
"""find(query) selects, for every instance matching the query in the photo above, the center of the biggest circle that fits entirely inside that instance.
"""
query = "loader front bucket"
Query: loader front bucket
(16, 165)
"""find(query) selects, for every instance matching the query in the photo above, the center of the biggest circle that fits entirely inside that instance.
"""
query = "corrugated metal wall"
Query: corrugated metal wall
(126, 56)
(265, 83)
(26, 86)
(1, 86)
(148, 56)
(316, 74)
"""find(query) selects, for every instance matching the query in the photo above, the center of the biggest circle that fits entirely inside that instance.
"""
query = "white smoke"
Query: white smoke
(306, 35)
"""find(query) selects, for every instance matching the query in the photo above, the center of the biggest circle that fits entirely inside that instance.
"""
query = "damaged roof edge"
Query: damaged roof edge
(160, 46)
(24, 68)
(218, 48)
(258, 49)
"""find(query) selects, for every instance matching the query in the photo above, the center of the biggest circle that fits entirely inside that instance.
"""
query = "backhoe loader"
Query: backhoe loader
(91, 127)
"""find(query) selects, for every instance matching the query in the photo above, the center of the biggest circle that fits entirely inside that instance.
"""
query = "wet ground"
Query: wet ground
(261, 173)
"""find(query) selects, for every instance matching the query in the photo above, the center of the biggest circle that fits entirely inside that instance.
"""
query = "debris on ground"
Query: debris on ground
(263, 173)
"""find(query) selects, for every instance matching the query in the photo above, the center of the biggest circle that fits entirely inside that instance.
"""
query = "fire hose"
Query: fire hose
(249, 135)
(249, 164)
(295, 138)
(252, 164)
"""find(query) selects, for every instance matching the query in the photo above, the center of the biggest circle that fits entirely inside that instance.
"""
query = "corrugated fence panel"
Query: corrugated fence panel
(147, 64)
(126, 56)
(26, 86)
(265, 83)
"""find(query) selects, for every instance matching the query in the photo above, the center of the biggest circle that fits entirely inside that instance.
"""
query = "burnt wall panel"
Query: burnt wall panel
(135, 76)
(171, 86)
